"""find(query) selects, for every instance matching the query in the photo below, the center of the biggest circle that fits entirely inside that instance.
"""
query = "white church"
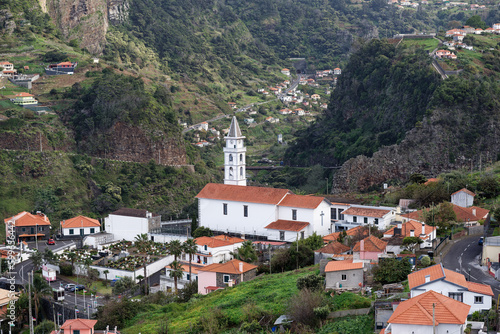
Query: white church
(269, 213)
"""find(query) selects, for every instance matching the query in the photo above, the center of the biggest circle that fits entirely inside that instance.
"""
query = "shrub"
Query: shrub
(312, 282)
(302, 305)
(66, 270)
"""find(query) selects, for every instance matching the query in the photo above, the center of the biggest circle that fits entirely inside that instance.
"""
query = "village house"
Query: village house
(285, 71)
(445, 54)
(216, 249)
(496, 26)
(80, 226)
(451, 284)
(381, 217)
(369, 249)
(413, 228)
(167, 283)
(315, 97)
(463, 198)
(344, 274)
(358, 232)
(65, 67)
(126, 224)
(221, 275)
(489, 30)
(6, 296)
(24, 99)
(332, 248)
(232, 105)
(469, 29)
(337, 71)
(6, 66)
(29, 226)
(427, 313)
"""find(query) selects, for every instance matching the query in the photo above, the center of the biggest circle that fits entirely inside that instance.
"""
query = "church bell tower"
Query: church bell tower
(234, 156)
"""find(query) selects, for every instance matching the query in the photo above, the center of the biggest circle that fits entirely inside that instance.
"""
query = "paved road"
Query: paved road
(466, 254)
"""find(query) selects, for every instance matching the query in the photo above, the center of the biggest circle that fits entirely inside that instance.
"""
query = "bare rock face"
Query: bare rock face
(118, 11)
(429, 149)
(7, 24)
(85, 20)
(129, 143)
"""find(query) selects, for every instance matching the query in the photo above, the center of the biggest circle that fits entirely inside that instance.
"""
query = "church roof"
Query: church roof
(234, 129)
(249, 194)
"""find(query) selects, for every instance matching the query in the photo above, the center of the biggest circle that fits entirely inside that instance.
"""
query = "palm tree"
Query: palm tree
(39, 289)
(246, 252)
(175, 248)
(190, 248)
(106, 272)
(36, 259)
(176, 272)
(72, 257)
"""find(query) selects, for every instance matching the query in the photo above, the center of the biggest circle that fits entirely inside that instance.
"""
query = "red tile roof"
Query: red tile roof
(185, 268)
(431, 180)
(23, 94)
(480, 288)
(467, 191)
(342, 265)
(79, 324)
(27, 219)
(65, 63)
(418, 310)
(287, 225)
(366, 212)
(464, 214)
(224, 237)
(371, 244)
(333, 248)
(412, 225)
(249, 194)
(302, 201)
(353, 231)
(80, 221)
(213, 242)
(230, 267)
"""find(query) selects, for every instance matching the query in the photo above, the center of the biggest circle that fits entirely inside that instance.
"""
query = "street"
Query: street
(464, 257)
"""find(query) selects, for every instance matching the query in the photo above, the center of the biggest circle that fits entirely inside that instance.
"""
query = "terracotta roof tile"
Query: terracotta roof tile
(418, 310)
(418, 277)
(185, 268)
(287, 225)
(366, 212)
(342, 265)
(412, 225)
(431, 180)
(23, 94)
(302, 201)
(213, 242)
(27, 219)
(333, 248)
(467, 191)
(224, 237)
(249, 194)
(79, 324)
(480, 288)
(371, 244)
(353, 231)
(80, 221)
(230, 267)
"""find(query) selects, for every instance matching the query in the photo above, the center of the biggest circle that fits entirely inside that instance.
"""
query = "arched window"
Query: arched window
(230, 172)
(241, 172)
(241, 157)
(230, 157)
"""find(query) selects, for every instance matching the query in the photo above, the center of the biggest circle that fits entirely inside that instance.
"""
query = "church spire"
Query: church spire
(234, 156)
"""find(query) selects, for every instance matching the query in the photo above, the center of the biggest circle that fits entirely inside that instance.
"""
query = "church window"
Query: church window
(245, 210)
(224, 208)
(241, 157)
(333, 213)
(294, 214)
(241, 172)
(230, 172)
(230, 157)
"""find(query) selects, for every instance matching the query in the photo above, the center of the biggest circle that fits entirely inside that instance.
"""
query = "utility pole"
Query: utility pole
(29, 302)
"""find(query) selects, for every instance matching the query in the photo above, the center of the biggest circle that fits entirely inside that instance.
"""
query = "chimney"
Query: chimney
(107, 329)
(423, 228)
(400, 226)
(412, 233)
(116, 330)
(427, 278)
(241, 267)
(362, 245)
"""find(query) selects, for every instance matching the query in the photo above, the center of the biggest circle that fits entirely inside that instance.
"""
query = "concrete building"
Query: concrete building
(344, 274)
(126, 224)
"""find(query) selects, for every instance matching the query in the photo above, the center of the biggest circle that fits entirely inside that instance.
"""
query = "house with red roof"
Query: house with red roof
(451, 284)
(23, 99)
(64, 67)
(359, 231)
(327, 251)
(413, 228)
(369, 249)
(470, 216)
(380, 217)
(216, 249)
(463, 198)
(344, 274)
(285, 71)
(429, 312)
(82, 326)
(221, 275)
(337, 71)
(167, 283)
(80, 226)
(27, 226)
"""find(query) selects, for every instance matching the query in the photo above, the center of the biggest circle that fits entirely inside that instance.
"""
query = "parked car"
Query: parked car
(480, 242)
(51, 242)
(70, 286)
(78, 287)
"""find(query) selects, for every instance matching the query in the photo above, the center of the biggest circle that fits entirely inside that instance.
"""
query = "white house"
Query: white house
(413, 228)
(451, 284)
(285, 71)
(337, 71)
(428, 313)
(216, 249)
(167, 283)
(343, 274)
(380, 217)
(126, 224)
(463, 198)
(80, 226)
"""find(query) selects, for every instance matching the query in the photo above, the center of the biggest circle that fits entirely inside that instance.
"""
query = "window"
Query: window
(456, 296)
(245, 210)
(282, 235)
(241, 157)
(294, 214)
(341, 216)
(76, 331)
(241, 173)
(230, 157)
(226, 278)
(478, 299)
(24, 230)
(354, 219)
(333, 213)
(40, 228)
(187, 277)
(82, 232)
(205, 247)
(71, 231)
(375, 221)
(224, 209)
(365, 220)
(302, 235)
(92, 230)
(230, 172)
(344, 277)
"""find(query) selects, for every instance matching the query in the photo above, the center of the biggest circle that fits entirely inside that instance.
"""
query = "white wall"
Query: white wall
(76, 231)
(445, 288)
(462, 199)
(259, 215)
(420, 329)
(125, 228)
(165, 238)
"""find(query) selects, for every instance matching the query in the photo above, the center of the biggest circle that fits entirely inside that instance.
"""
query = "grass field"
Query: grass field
(428, 44)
